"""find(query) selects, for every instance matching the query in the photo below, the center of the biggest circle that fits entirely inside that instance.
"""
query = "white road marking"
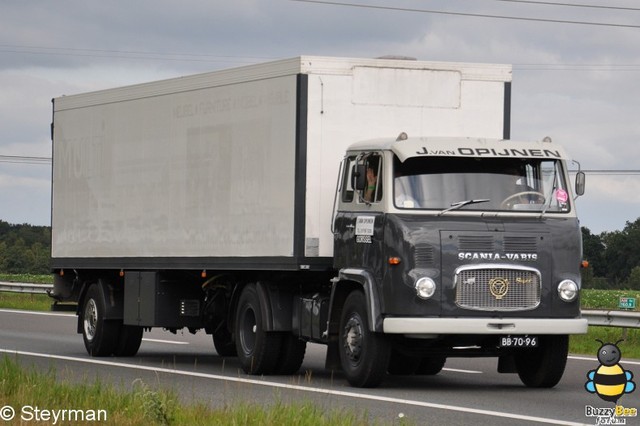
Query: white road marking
(594, 359)
(299, 388)
(456, 370)
(55, 314)
(171, 342)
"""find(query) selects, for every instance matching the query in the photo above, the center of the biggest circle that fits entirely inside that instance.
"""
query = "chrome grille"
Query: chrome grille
(497, 288)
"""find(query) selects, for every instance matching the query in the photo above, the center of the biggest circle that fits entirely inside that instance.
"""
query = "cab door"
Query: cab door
(359, 221)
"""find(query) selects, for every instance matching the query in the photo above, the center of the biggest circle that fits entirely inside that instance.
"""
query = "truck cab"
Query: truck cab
(458, 247)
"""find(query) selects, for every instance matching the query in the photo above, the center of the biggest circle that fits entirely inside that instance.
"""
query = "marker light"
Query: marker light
(425, 287)
(568, 290)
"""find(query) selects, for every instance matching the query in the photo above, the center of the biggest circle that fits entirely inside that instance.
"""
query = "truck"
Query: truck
(376, 206)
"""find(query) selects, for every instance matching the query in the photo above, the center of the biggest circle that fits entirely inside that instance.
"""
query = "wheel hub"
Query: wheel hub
(90, 319)
(353, 338)
(248, 331)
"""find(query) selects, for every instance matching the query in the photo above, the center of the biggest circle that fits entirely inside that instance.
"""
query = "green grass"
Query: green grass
(144, 405)
(30, 302)
(587, 344)
(606, 299)
(27, 278)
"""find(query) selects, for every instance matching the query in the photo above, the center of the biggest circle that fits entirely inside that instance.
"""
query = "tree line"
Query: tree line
(614, 257)
(24, 249)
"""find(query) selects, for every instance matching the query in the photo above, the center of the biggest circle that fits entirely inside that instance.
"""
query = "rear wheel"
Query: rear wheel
(364, 355)
(223, 341)
(291, 354)
(258, 350)
(99, 334)
(129, 340)
(543, 366)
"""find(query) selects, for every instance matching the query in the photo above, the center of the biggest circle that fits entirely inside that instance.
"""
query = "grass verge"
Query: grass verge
(25, 389)
(29, 302)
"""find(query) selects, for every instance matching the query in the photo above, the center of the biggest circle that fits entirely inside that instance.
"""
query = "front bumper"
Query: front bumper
(519, 326)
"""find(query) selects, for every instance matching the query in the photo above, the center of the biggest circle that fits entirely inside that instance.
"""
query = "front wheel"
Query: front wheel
(430, 366)
(100, 335)
(364, 355)
(543, 366)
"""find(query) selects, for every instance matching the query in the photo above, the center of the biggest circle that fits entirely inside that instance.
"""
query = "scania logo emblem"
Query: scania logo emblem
(498, 287)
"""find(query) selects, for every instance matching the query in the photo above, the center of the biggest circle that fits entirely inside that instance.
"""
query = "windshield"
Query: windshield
(480, 184)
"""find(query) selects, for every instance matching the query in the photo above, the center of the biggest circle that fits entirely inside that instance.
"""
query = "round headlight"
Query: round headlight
(425, 287)
(568, 290)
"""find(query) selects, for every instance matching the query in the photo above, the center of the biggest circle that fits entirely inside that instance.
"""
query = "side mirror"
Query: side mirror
(359, 177)
(580, 183)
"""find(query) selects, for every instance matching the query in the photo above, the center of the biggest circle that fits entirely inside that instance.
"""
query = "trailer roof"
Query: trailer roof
(321, 65)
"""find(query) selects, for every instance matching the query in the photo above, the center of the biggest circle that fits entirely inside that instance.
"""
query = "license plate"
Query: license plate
(518, 342)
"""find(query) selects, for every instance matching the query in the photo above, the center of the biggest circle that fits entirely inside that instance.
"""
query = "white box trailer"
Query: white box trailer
(372, 205)
(239, 166)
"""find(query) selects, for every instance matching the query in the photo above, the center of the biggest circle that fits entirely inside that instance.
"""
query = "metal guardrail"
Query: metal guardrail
(25, 288)
(627, 319)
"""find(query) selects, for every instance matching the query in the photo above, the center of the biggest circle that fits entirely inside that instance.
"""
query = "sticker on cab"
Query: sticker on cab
(364, 225)
(562, 196)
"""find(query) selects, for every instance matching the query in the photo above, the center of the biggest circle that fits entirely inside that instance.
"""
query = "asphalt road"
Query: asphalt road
(467, 391)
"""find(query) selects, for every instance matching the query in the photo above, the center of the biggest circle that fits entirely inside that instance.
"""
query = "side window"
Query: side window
(347, 180)
(372, 192)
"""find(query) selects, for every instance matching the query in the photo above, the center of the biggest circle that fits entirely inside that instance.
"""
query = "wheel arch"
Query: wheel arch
(347, 281)
(276, 305)
(113, 299)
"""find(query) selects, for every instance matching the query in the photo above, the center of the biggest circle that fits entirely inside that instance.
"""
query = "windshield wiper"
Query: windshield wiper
(460, 204)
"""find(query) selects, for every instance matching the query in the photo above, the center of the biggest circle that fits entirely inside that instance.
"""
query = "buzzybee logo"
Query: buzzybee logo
(610, 381)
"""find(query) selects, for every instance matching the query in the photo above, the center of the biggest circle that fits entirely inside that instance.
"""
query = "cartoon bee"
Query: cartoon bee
(609, 381)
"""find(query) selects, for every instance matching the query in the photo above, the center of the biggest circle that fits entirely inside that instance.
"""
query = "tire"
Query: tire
(100, 335)
(430, 366)
(291, 354)
(543, 366)
(223, 342)
(129, 340)
(258, 350)
(364, 355)
(401, 364)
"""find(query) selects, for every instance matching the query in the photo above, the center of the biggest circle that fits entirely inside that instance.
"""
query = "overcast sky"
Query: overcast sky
(576, 69)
